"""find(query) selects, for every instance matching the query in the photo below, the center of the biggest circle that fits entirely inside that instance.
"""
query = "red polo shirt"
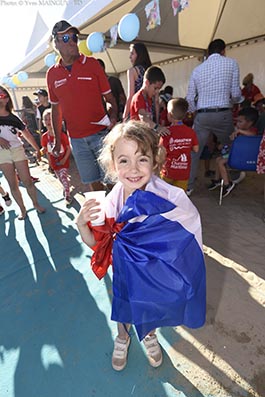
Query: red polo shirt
(79, 93)
(140, 101)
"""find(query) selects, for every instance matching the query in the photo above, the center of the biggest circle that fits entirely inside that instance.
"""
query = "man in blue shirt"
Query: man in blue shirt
(213, 88)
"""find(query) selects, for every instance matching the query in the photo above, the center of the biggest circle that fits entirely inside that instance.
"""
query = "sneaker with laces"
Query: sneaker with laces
(7, 199)
(119, 355)
(209, 174)
(214, 184)
(228, 189)
(153, 350)
(1, 210)
(68, 201)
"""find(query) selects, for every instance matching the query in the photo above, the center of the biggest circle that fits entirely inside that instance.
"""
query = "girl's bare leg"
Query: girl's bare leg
(123, 330)
(24, 175)
(223, 170)
(11, 177)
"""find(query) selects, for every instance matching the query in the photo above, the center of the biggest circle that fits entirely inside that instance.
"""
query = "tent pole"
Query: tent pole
(15, 99)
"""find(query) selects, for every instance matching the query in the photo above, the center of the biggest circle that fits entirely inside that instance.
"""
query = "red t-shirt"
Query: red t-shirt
(47, 141)
(79, 93)
(163, 117)
(250, 93)
(140, 101)
(178, 146)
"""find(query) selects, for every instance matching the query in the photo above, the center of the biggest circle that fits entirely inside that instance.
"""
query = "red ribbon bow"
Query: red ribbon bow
(104, 235)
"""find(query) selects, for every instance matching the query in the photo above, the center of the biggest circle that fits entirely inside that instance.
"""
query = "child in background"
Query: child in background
(142, 105)
(178, 144)
(60, 164)
(6, 199)
(163, 119)
(152, 234)
(247, 117)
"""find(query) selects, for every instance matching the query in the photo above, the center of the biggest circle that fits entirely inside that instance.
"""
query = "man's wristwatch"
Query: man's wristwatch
(156, 127)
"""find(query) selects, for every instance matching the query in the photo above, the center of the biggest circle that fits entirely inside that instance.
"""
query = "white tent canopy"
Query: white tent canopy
(185, 35)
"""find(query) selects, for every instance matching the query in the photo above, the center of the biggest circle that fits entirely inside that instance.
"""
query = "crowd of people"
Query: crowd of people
(144, 149)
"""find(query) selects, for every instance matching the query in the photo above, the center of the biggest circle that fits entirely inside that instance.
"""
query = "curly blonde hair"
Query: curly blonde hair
(139, 132)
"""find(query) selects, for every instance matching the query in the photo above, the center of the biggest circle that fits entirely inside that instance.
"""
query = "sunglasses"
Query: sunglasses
(3, 95)
(67, 37)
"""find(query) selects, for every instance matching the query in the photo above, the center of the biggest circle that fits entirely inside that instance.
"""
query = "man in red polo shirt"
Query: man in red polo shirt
(76, 85)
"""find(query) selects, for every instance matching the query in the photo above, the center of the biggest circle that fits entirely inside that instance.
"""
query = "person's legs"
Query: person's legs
(202, 132)
(223, 170)
(5, 196)
(216, 181)
(207, 155)
(62, 175)
(11, 177)
(222, 126)
(121, 345)
(24, 175)
(228, 185)
(153, 349)
(85, 152)
(2, 191)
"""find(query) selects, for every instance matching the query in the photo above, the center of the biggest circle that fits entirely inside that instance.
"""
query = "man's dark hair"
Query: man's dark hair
(250, 114)
(154, 74)
(216, 47)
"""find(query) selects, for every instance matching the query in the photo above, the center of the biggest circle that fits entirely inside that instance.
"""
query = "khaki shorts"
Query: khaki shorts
(12, 155)
(178, 183)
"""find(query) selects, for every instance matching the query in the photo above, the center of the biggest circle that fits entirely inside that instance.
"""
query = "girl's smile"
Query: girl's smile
(134, 168)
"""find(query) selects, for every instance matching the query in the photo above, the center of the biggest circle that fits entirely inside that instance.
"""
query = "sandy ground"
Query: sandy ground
(232, 345)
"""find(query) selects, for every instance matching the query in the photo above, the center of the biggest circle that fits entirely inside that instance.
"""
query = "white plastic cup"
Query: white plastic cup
(99, 196)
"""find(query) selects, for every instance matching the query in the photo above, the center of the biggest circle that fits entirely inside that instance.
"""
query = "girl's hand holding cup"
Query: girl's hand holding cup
(95, 203)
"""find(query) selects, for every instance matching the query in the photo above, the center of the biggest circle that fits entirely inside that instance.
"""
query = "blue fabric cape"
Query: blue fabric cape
(159, 271)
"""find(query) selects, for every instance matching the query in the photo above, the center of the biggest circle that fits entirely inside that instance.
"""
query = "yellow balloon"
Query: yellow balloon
(83, 48)
(15, 79)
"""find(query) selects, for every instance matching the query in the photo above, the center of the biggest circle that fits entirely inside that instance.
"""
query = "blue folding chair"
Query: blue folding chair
(243, 155)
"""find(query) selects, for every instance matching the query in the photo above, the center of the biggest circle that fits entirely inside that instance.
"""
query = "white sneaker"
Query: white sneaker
(189, 192)
(242, 176)
(153, 350)
(119, 355)
(68, 201)
(7, 199)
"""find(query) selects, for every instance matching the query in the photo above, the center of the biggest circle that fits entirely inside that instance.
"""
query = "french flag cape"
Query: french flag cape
(154, 243)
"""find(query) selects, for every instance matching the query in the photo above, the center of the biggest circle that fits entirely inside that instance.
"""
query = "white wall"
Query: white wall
(251, 59)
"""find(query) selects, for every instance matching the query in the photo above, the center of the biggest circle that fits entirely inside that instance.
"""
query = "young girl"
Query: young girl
(60, 164)
(153, 233)
(13, 160)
